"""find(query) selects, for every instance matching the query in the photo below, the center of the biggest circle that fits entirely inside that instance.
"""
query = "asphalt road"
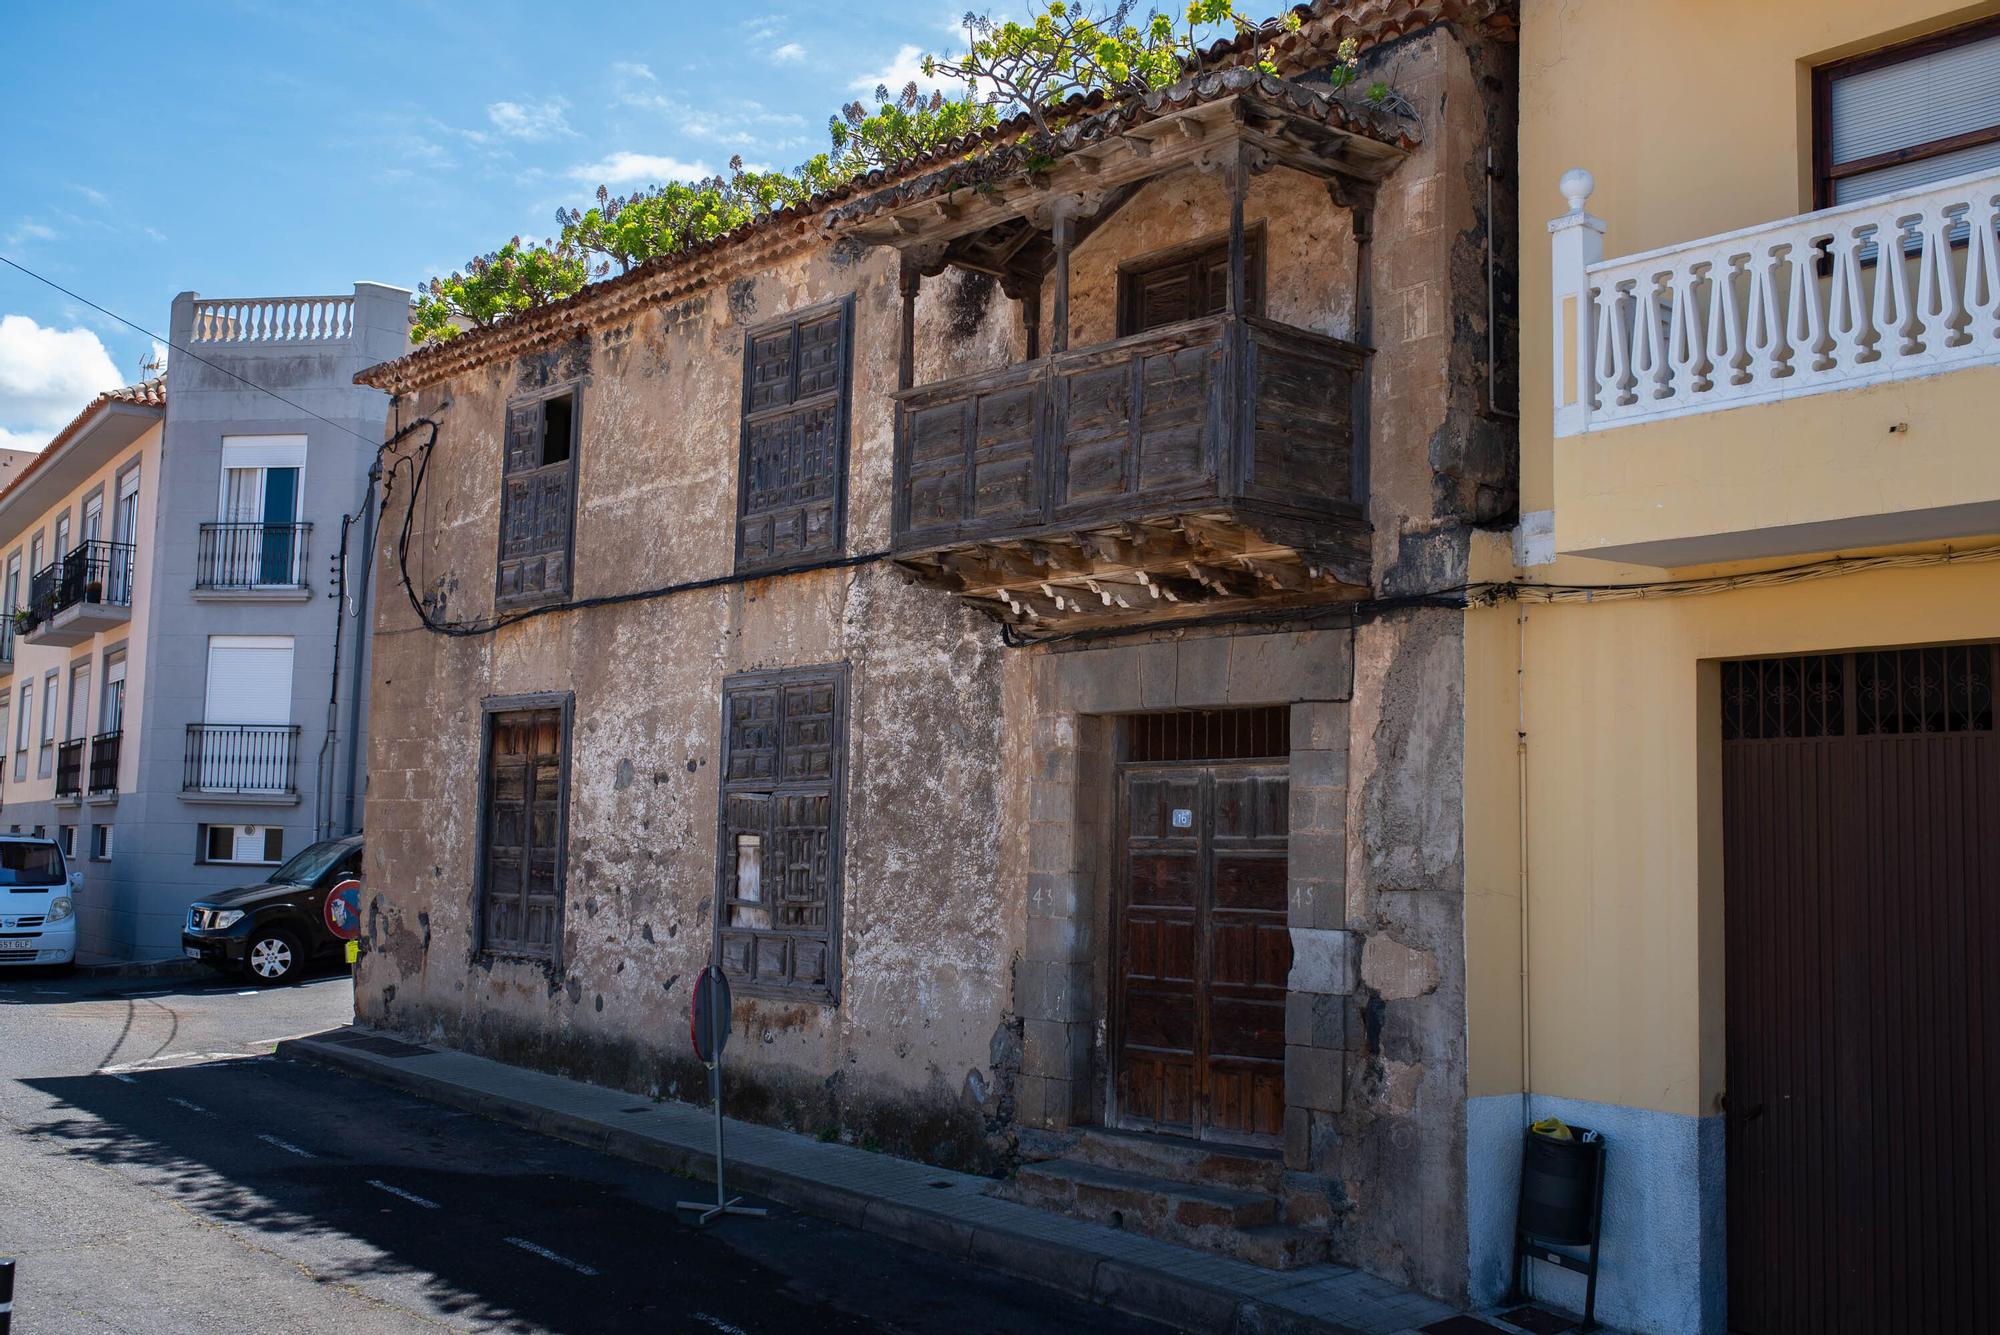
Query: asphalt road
(161, 1171)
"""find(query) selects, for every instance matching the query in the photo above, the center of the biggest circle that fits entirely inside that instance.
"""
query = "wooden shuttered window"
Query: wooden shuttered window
(778, 881)
(538, 499)
(792, 475)
(1187, 283)
(525, 797)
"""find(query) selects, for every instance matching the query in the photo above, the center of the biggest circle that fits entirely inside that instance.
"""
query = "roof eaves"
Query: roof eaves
(150, 395)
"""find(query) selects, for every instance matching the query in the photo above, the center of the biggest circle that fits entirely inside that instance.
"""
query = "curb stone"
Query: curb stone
(1138, 1276)
(169, 968)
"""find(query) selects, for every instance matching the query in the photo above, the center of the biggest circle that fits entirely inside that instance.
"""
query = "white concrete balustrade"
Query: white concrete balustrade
(273, 319)
(1795, 307)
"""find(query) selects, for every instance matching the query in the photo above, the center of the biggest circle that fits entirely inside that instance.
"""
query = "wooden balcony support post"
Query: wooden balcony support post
(1359, 201)
(1232, 469)
(1062, 232)
(911, 279)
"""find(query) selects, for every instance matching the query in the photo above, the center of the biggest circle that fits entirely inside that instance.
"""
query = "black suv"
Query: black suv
(272, 930)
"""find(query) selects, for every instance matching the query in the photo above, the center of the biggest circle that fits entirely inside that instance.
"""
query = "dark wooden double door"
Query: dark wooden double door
(1861, 887)
(1202, 951)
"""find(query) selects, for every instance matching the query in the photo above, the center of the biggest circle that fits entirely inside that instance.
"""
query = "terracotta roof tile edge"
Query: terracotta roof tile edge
(145, 394)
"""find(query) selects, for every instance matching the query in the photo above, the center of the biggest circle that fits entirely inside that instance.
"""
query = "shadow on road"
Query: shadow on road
(58, 984)
(300, 1157)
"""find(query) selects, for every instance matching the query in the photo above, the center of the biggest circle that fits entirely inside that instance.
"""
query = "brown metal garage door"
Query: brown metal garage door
(1861, 892)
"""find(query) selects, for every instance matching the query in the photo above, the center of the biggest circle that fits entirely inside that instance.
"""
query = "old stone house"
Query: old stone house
(1000, 611)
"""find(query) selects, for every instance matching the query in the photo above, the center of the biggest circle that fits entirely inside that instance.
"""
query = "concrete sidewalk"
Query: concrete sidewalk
(932, 1208)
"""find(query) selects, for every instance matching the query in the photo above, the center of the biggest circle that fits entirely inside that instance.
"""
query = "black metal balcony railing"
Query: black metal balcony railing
(252, 556)
(93, 572)
(104, 762)
(69, 769)
(242, 758)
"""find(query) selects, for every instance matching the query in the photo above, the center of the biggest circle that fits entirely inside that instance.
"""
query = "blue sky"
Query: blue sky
(253, 149)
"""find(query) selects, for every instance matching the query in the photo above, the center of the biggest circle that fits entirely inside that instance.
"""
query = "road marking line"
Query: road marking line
(409, 1196)
(288, 1147)
(191, 1107)
(253, 992)
(548, 1255)
(720, 1324)
(115, 1076)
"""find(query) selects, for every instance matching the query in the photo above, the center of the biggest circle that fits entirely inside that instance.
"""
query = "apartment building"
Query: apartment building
(1732, 756)
(967, 607)
(183, 699)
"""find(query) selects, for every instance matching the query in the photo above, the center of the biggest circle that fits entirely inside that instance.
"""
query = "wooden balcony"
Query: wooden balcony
(1195, 468)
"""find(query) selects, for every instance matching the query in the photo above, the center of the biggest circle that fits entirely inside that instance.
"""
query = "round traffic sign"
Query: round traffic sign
(343, 910)
(708, 1014)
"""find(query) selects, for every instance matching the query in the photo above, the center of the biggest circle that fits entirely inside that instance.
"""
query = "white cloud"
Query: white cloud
(154, 233)
(627, 168)
(46, 378)
(788, 54)
(97, 197)
(632, 69)
(906, 67)
(30, 230)
(531, 120)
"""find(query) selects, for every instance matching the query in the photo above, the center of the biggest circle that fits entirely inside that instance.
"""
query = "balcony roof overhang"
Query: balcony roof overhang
(994, 213)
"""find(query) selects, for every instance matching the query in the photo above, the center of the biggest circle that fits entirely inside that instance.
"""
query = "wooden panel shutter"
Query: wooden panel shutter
(536, 506)
(779, 869)
(522, 888)
(792, 488)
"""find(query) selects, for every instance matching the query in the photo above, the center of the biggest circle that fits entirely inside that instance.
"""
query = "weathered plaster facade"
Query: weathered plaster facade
(980, 810)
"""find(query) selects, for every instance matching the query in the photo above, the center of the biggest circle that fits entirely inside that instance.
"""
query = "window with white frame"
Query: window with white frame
(255, 844)
(22, 724)
(51, 697)
(1907, 115)
(255, 541)
(100, 842)
(66, 837)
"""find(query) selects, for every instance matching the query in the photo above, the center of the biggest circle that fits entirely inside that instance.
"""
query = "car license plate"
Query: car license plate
(192, 952)
(18, 944)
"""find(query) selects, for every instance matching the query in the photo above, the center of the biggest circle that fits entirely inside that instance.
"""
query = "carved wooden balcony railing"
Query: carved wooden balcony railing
(1193, 468)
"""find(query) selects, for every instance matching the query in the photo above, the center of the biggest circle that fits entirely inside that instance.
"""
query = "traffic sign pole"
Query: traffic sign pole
(710, 1011)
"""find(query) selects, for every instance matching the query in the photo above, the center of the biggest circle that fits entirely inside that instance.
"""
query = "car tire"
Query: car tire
(272, 957)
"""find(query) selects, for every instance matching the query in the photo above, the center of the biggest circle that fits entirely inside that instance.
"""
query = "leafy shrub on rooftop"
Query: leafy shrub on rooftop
(1068, 47)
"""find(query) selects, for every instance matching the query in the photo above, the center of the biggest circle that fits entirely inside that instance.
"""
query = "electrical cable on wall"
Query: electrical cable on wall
(415, 466)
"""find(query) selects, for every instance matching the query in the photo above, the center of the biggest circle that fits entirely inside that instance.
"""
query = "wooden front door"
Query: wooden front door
(1202, 951)
(1861, 893)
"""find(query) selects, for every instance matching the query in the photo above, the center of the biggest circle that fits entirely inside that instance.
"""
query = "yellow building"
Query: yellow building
(1733, 824)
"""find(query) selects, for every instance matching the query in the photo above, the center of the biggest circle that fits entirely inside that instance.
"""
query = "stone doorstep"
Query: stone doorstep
(941, 1211)
(1242, 1225)
(1181, 1160)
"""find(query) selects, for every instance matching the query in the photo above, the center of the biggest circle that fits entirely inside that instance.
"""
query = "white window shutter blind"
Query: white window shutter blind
(79, 703)
(249, 679)
(1916, 101)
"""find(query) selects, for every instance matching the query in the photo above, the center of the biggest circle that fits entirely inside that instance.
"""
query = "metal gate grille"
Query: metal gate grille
(1263, 733)
(1861, 839)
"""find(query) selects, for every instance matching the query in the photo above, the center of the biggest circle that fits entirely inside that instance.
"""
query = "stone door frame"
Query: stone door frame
(1062, 984)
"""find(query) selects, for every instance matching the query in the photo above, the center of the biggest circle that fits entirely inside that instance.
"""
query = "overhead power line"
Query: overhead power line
(189, 352)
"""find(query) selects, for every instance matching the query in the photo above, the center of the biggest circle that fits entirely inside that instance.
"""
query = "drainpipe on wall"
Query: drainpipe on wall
(361, 639)
(323, 801)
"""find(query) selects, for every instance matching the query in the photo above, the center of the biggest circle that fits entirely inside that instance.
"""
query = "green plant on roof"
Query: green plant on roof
(1028, 68)
(1067, 49)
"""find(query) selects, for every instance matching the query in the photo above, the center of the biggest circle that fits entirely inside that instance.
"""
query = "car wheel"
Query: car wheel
(273, 957)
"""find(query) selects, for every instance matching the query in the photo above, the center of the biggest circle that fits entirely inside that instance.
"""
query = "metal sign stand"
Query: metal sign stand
(709, 1026)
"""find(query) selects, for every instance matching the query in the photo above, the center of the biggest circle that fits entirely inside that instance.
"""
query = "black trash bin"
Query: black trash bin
(1562, 1205)
(1559, 1187)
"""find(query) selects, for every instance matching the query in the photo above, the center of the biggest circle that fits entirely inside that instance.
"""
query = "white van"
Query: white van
(37, 902)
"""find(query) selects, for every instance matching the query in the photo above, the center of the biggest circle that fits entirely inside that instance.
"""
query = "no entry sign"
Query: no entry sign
(708, 1014)
(343, 909)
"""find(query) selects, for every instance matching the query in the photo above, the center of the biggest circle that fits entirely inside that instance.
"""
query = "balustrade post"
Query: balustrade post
(1576, 241)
